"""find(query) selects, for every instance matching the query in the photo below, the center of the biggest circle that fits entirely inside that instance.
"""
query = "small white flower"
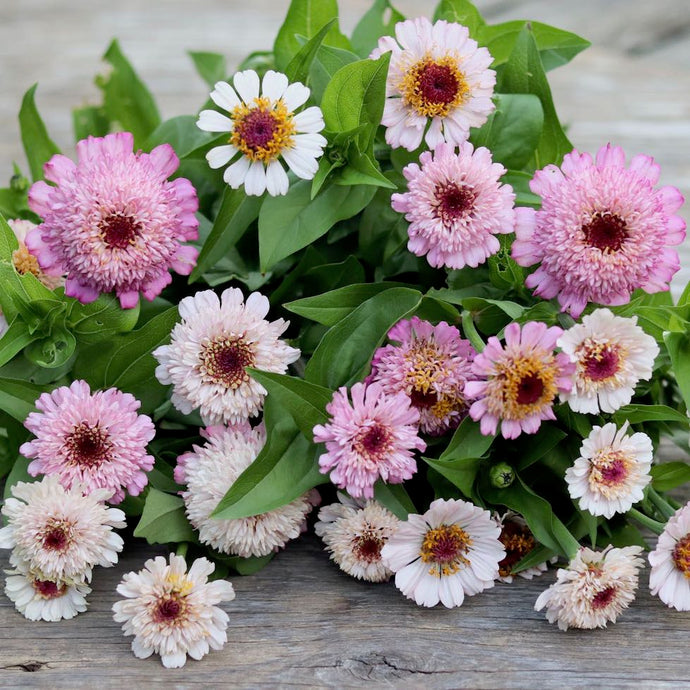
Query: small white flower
(61, 533)
(171, 611)
(612, 354)
(210, 348)
(354, 532)
(449, 552)
(670, 561)
(264, 127)
(594, 589)
(612, 470)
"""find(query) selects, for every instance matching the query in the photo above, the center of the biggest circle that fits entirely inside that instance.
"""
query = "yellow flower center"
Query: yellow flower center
(444, 548)
(434, 86)
(681, 555)
(25, 262)
(262, 131)
(609, 469)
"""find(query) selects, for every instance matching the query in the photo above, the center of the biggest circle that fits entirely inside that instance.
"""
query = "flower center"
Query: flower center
(263, 130)
(454, 202)
(529, 389)
(88, 446)
(374, 440)
(224, 361)
(367, 547)
(444, 548)
(119, 230)
(600, 361)
(605, 231)
(25, 262)
(47, 589)
(518, 542)
(423, 400)
(57, 535)
(609, 470)
(604, 597)
(681, 555)
(169, 608)
(433, 87)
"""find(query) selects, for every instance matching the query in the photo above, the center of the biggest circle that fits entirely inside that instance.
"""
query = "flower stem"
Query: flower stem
(470, 331)
(661, 504)
(182, 549)
(653, 525)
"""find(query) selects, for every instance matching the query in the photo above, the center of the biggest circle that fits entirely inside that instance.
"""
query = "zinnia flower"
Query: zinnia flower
(456, 206)
(113, 221)
(354, 532)
(602, 232)
(611, 355)
(61, 533)
(25, 262)
(437, 75)
(431, 365)
(173, 612)
(449, 552)
(518, 541)
(595, 588)
(522, 380)
(37, 597)
(209, 350)
(96, 440)
(612, 470)
(670, 561)
(373, 437)
(210, 470)
(264, 127)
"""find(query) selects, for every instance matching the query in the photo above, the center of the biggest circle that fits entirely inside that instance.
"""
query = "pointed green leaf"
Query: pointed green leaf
(163, 520)
(38, 146)
(379, 20)
(209, 66)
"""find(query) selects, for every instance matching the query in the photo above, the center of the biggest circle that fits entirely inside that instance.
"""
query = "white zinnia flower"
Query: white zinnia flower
(39, 598)
(518, 541)
(61, 533)
(612, 470)
(210, 470)
(594, 589)
(354, 532)
(171, 611)
(670, 561)
(264, 127)
(209, 350)
(612, 354)
(451, 550)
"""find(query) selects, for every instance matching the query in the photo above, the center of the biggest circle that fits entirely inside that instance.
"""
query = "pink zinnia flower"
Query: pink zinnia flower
(430, 365)
(456, 206)
(437, 75)
(96, 440)
(113, 222)
(602, 232)
(522, 380)
(372, 437)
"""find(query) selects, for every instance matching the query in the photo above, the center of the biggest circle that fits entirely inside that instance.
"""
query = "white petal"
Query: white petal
(273, 85)
(213, 121)
(255, 181)
(295, 95)
(236, 173)
(224, 96)
(220, 155)
(247, 85)
(277, 182)
(309, 120)
(302, 165)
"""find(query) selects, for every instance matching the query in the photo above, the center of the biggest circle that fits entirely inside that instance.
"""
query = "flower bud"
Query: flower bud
(501, 475)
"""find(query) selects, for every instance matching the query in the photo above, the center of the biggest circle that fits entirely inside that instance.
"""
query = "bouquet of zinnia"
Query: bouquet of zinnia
(481, 361)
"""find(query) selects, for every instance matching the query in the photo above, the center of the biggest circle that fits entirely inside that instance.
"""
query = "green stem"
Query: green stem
(661, 504)
(182, 549)
(470, 331)
(653, 525)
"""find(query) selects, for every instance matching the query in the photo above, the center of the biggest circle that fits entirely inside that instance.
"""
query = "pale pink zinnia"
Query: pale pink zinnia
(431, 365)
(670, 561)
(210, 349)
(96, 440)
(456, 206)
(372, 437)
(602, 231)
(438, 76)
(113, 222)
(520, 382)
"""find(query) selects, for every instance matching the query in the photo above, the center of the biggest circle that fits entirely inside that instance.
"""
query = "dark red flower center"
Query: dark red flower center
(257, 129)
(681, 555)
(601, 363)
(518, 542)
(119, 230)
(615, 471)
(367, 547)
(169, 608)
(454, 201)
(375, 439)
(56, 537)
(529, 389)
(604, 597)
(437, 83)
(49, 589)
(446, 546)
(89, 446)
(225, 360)
(422, 400)
(605, 231)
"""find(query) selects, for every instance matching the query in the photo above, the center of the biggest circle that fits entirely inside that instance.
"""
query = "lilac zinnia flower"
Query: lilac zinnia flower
(521, 380)
(113, 221)
(431, 365)
(456, 205)
(372, 437)
(602, 232)
(96, 439)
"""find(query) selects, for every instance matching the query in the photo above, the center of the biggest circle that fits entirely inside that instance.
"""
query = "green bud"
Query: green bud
(19, 183)
(502, 475)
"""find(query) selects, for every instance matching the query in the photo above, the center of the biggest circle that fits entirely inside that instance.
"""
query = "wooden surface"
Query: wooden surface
(300, 622)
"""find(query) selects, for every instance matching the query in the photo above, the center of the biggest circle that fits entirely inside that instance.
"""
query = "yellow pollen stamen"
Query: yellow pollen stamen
(609, 469)
(444, 548)
(24, 262)
(681, 555)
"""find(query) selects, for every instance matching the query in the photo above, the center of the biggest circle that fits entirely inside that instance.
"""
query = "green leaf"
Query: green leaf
(379, 20)
(125, 98)
(344, 353)
(298, 69)
(236, 213)
(306, 402)
(462, 12)
(395, 498)
(54, 350)
(678, 346)
(17, 397)
(14, 340)
(163, 520)
(291, 222)
(326, 64)
(362, 169)
(530, 451)
(524, 73)
(245, 566)
(306, 17)
(18, 473)
(513, 130)
(38, 146)
(90, 121)
(462, 473)
(519, 181)
(641, 414)
(355, 97)
(209, 66)
(181, 133)
(669, 475)
(99, 320)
